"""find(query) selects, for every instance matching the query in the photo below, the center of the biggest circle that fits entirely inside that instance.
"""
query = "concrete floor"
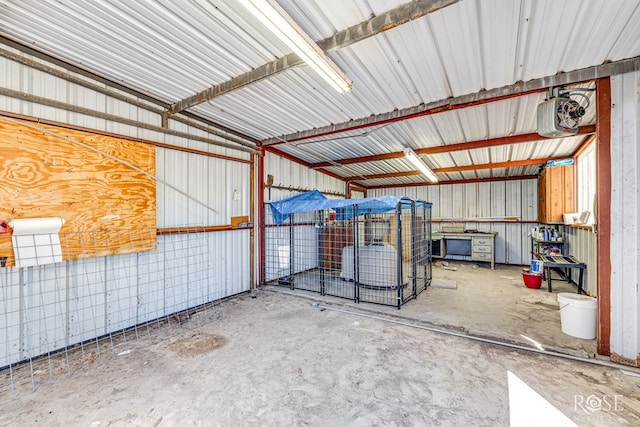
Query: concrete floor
(492, 304)
(496, 304)
(279, 359)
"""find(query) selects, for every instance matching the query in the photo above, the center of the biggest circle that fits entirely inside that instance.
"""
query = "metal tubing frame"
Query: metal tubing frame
(399, 250)
(356, 255)
(321, 250)
(414, 252)
(291, 250)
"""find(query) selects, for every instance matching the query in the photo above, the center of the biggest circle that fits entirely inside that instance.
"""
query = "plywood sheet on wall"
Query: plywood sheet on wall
(109, 206)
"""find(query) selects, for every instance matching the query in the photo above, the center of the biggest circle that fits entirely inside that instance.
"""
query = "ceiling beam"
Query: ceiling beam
(469, 100)
(496, 165)
(291, 158)
(384, 175)
(376, 25)
(493, 142)
(255, 75)
(27, 97)
(364, 159)
(482, 143)
(459, 181)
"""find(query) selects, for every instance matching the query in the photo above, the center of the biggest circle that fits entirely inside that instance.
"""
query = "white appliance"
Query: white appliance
(377, 266)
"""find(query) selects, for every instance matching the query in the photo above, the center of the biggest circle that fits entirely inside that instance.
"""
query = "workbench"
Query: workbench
(564, 262)
(479, 245)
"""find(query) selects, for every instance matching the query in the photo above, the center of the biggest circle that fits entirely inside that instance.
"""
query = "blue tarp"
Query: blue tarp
(345, 208)
(298, 203)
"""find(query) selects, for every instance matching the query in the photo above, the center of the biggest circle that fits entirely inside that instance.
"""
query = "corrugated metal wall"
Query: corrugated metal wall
(87, 298)
(581, 243)
(586, 179)
(625, 216)
(483, 206)
(290, 178)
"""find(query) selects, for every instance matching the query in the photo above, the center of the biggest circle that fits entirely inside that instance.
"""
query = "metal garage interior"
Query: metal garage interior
(157, 133)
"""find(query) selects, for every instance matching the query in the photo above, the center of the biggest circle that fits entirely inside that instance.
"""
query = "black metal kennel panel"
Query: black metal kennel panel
(375, 250)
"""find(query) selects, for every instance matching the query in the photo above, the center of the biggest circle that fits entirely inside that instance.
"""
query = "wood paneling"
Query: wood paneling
(556, 192)
(109, 206)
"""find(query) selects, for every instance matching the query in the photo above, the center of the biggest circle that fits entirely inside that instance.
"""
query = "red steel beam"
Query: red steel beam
(421, 113)
(302, 162)
(260, 219)
(497, 165)
(482, 143)
(460, 181)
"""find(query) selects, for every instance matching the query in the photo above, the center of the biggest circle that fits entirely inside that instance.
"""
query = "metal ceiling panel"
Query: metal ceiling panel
(322, 18)
(163, 48)
(171, 50)
(569, 35)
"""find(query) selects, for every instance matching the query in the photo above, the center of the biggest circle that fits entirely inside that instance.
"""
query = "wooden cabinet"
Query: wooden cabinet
(334, 238)
(556, 193)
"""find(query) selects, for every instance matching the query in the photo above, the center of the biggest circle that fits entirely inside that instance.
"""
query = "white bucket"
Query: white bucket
(578, 314)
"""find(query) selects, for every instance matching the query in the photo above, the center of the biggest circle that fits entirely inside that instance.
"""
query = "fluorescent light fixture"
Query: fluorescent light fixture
(282, 25)
(413, 158)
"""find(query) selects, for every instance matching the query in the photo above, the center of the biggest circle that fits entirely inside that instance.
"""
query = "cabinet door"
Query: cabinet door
(542, 197)
(556, 193)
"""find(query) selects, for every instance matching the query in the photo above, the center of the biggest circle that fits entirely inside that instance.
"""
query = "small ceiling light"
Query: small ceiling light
(285, 28)
(413, 158)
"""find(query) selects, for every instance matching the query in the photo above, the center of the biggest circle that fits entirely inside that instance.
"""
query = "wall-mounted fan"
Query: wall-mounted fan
(559, 115)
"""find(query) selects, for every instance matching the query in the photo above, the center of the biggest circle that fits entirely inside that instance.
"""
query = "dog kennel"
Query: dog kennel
(376, 250)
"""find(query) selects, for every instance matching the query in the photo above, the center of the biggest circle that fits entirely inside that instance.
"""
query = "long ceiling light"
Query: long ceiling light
(413, 158)
(282, 25)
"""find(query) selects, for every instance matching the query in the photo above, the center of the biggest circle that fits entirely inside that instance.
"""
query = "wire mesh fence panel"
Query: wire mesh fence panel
(63, 318)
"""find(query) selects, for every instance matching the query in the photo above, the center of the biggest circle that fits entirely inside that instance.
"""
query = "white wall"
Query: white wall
(625, 217)
(479, 206)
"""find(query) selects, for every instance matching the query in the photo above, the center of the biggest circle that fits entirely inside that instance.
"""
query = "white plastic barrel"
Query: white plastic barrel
(578, 314)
